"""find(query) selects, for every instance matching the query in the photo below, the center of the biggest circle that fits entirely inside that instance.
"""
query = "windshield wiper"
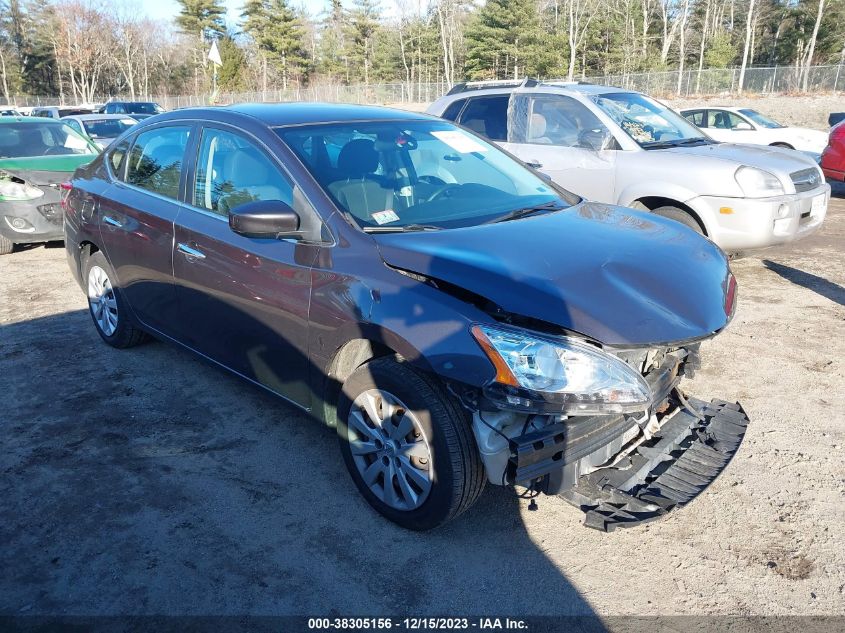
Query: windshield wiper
(684, 142)
(401, 229)
(521, 213)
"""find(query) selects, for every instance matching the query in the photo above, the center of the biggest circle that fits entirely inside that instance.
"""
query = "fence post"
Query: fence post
(836, 79)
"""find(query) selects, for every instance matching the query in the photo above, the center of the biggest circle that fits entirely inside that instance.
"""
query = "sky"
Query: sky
(167, 9)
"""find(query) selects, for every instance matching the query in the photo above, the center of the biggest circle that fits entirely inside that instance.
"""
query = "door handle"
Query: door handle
(110, 220)
(190, 252)
(534, 164)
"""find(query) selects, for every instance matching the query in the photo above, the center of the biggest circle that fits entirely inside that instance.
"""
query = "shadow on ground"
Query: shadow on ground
(148, 482)
(819, 285)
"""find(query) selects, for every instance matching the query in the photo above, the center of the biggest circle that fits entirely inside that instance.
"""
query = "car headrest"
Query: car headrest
(537, 126)
(250, 170)
(357, 158)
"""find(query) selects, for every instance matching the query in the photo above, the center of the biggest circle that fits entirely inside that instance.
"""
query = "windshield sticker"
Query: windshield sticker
(460, 142)
(383, 217)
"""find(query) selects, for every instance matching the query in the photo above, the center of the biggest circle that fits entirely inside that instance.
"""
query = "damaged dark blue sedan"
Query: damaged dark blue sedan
(457, 318)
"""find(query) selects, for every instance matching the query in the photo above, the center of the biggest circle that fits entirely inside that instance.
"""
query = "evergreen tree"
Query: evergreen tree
(278, 34)
(231, 75)
(332, 60)
(203, 19)
(363, 26)
(503, 40)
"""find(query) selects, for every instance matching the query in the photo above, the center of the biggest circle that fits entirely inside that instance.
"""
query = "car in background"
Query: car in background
(744, 125)
(9, 112)
(36, 156)
(136, 109)
(835, 117)
(453, 315)
(620, 147)
(833, 157)
(100, 128)
(57, 112)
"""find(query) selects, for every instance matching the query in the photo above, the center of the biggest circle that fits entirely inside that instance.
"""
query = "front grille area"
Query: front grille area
(806, 179)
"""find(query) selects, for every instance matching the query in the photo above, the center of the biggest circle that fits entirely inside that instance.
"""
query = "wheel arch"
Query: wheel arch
(370, 342)
(650, 203)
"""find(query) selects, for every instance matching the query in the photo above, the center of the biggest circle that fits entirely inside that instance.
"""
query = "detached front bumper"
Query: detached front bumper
(738, 224)
(665, 473)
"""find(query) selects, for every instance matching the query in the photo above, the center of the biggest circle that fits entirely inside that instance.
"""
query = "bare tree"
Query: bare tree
(580, 13)
(749, 19)
(812, 47)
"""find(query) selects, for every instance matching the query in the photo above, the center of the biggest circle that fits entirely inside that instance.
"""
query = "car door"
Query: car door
(243, 301)
(563, 138)
(136, 216)
(730, 127)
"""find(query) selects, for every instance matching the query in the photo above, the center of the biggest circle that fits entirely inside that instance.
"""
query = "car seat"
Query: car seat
(253, 179)
(359, 191)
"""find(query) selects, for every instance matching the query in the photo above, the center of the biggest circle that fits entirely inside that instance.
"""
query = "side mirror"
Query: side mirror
(596, 140)
(264, 218)
(743, 126)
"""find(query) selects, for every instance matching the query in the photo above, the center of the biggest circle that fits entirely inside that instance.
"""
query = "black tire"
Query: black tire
(6, 245)
(679, 215)
(456, 471)
(125, 333)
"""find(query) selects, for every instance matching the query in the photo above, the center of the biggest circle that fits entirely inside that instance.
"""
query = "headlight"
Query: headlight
(756, 183)
(17, 189)
(578, 376)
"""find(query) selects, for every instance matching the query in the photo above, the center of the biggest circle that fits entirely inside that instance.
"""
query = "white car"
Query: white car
(620, 147)
(744, 125)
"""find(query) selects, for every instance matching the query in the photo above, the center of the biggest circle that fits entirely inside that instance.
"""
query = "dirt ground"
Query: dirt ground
(147, 482)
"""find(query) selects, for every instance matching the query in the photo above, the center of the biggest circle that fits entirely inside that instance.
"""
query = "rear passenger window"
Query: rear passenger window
(451, 113)
(487, 116)
(155, 162)
(232, 171)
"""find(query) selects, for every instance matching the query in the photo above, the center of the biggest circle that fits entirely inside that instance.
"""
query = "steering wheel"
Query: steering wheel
(432, 180)
(442, 190)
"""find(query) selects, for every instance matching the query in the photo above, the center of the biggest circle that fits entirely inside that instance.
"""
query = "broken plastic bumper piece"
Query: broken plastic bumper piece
(680, 461)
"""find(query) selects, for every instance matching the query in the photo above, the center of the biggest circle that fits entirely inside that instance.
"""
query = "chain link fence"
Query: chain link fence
(712, 81)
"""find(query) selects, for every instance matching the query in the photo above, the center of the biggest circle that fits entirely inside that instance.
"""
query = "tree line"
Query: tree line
(81, 50)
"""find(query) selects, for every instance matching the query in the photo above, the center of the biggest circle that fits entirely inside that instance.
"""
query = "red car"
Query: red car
(833, 157)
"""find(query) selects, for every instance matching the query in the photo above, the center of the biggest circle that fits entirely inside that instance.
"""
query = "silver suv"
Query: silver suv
(620, 147)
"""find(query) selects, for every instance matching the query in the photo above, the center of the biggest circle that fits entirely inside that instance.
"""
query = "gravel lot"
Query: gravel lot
(147, 482)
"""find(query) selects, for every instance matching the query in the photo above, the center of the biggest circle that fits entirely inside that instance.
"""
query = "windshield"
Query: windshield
(21, 140)
(143, 108)
(649, 123)
(760, 119)
(417, 174)
(107, 128)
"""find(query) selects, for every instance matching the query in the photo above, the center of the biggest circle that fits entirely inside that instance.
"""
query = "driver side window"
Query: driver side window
(723, 120)
(564, 122)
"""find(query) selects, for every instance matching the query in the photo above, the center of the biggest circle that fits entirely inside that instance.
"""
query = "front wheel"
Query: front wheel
(679, 215)
(6, 245)
(407, 445)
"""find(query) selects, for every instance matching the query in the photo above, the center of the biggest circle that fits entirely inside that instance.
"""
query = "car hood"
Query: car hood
(615, 275)
(765, 157)
(45, 170)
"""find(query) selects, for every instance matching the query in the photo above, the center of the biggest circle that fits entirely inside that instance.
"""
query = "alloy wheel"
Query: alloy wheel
(102, 301)
(390, 450)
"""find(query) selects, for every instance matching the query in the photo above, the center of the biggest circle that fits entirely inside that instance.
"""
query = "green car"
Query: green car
(36, 156)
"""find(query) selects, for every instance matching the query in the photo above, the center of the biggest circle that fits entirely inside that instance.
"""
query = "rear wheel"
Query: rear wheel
(106, 306)
(679, 215)
(407, 445)
(6, 245)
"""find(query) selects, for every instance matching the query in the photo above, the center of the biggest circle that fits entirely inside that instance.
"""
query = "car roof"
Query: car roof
(97, 117)
(29, 119)
(472, 89)
(275, 114)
